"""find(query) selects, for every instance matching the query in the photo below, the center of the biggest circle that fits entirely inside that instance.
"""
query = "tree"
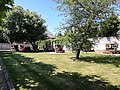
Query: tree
(110, 26)
(82, 20)
(24, 26)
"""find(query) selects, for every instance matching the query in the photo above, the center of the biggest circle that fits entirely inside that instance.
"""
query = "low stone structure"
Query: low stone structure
(5, 82)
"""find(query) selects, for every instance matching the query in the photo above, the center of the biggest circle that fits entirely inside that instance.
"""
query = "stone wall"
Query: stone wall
(5, 82)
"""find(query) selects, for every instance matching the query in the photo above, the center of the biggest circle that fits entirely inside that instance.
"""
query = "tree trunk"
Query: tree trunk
(34, 46)
(78, 54)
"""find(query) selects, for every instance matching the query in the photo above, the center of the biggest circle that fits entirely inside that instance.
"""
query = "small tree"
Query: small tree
(82, 20)
(24, 26)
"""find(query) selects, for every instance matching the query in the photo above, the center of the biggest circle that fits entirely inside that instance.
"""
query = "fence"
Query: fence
(5, 46)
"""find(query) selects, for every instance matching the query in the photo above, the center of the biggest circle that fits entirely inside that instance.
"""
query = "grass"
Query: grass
(45, 71)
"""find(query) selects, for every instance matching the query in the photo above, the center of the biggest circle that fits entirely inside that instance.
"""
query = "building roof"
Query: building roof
(49, 34)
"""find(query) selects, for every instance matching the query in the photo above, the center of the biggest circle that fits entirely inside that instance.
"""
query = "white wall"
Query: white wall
(5, 46)
(100, 45)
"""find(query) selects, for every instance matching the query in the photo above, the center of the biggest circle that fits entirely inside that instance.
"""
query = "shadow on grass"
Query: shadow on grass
(31, 75)
(32, 51)
(103, 59)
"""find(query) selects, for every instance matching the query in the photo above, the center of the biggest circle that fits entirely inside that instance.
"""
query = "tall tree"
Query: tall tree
(110, 26)
(82, 20)
(24, 26)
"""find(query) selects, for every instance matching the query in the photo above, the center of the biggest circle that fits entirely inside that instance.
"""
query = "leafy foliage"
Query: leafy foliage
(110, 26)
(4, 6)
(60, 39)
(82, 20)
(24, 26)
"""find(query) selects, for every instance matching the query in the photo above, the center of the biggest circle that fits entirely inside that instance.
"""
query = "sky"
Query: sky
(47, 9)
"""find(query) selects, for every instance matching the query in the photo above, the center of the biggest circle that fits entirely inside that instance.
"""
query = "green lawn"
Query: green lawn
(45, 71)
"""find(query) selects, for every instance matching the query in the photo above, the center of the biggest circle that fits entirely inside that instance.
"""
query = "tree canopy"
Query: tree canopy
(110, 26)
(24, 26)
(4, 6)
(82, 18)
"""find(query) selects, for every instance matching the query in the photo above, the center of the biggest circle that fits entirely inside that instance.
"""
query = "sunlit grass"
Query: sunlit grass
(63, 62)
(49, 71)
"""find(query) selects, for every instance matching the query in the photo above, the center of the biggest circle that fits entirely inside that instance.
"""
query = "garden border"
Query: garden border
(5, 82)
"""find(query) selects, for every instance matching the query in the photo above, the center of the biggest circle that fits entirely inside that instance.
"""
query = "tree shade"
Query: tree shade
(24, 26)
